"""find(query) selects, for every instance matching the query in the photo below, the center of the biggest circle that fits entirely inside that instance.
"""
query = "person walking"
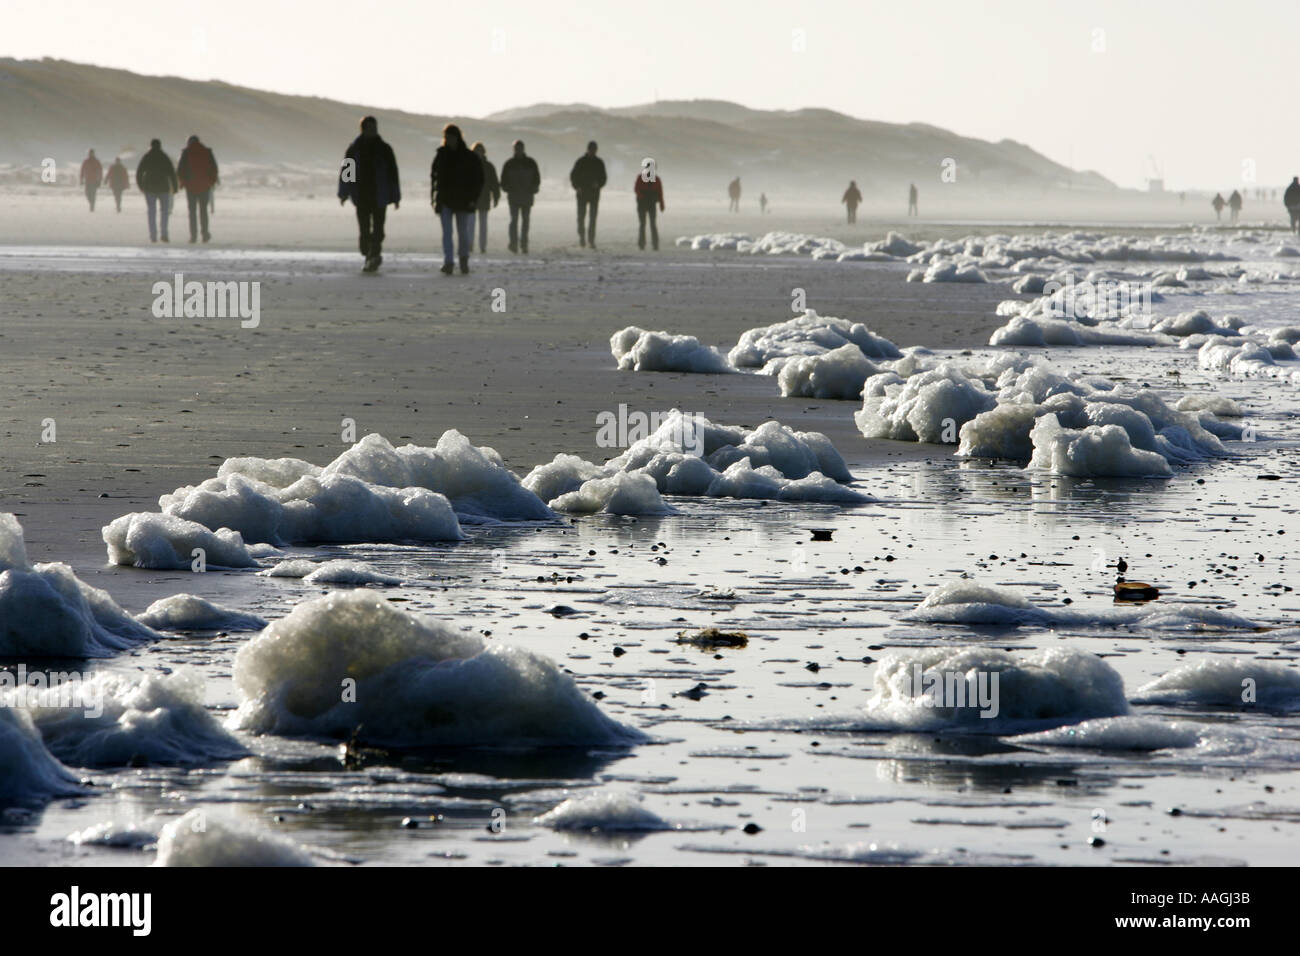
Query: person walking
(911, 201)
(489, 196)
(588, 179)
(117, 179)
(649, 189)
(1234, 206)
(155, 176)
(368, 176)
(762, 204)
(92, 174)
(733, 193)
(455, 183)
(852, 198)
(1291, 199)
(520, 180)
(197, 173)
(1218, 204)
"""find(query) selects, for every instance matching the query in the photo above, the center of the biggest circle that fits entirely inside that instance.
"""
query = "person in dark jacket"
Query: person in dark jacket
(117, 179)
(1291, 199)
(852, 198)
(588, 179)
(1218, 204)
(455, 183)
(197, 173)
(1234, 206)
(92, 173)
(649, 189)
(912, 209)
(156, 178)
(369, 178)
(489, 196)
(733, 193)
(520, 180)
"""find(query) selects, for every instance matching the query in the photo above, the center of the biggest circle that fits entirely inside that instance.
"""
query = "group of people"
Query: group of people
(464, 187)
(1234, 202)
(160, 180)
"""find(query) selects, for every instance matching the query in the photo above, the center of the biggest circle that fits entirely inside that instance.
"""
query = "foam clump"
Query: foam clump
(118, 720)
(29, 773)
(951, 688)
(347, 571)
(114, 835)
(201, 838)
(621, 493)
(47, 611)
(769, 346)
(929, 406)
(352, 662)
(637, 350)
(689, 455)
(966, 602)
(603, 811)
(164, 542)
(1220, 682)
(188, 612)
(1118, 733)
(1097, 451)
(836, 374)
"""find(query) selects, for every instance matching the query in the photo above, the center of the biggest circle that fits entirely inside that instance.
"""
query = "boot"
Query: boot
(464, 265)
(447, 268)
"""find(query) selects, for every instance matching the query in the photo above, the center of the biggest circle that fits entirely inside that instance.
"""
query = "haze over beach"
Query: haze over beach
(666, 436)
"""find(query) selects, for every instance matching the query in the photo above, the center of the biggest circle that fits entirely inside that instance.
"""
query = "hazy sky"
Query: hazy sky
(1204, 88)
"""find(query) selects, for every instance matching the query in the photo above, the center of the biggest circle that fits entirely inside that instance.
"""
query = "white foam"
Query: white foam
(1098, 451)
(1225, 682)
(603, 811)
(188, 612)
(351, 659)
(345, 571)
(620, 493)
(1119, 733)
(637, 350)
(118, 720)
(166, 542)
(808, 334)
(931, 406)
(29, 773)
(47, 611)
(202, 838)
(836, 374)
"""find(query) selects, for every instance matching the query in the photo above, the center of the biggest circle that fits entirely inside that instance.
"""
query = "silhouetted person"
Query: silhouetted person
(649, 189)
(197, 172)
(588, 179)
(520, 180)
(852, 199)
(1234, 206)
(117, 179)
(155, 176)
(912, 209)
(368, 176)
(1218, 204)
(489, 196)
(92, 174)
(455, 182)
(762, 203)
(1291, 199)
(733, 193)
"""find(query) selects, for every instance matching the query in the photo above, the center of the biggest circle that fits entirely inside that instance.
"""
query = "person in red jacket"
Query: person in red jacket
(197, 172)
(92, 174)
(649, 190)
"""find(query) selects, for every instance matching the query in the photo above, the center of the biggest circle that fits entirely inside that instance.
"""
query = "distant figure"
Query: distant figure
(851, 199)
(455, 184)
(368, 176)
(117, 179)
(197, 172)
(155, 176)
(588, 179)
(92, 174)
(520, 180)
(762, 204)
(489, 196)
(733, 191)
(1234, 206)
(1218, 204)
(1182, 198)
(649, 191)
(1291, 199)
(911, 201)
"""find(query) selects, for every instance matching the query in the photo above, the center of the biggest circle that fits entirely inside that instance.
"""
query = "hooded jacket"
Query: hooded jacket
(588, 175)
(520, 179)
(197, 169)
